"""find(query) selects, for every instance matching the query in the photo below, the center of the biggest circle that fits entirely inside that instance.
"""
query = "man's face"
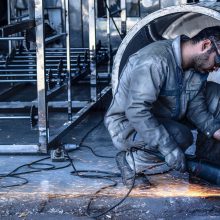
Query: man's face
(204, 62)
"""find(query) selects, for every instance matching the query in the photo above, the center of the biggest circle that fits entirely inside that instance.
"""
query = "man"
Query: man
(162, 85)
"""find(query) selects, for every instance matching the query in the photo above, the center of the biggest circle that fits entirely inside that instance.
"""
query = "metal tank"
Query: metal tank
(166, 23)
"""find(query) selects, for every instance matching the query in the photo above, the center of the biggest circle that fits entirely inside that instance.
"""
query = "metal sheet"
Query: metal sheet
(159, 25)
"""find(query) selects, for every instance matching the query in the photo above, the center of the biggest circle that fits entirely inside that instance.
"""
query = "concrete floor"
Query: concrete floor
(56, 194)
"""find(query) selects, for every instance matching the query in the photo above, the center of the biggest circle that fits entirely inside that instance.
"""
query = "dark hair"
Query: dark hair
(206, 34)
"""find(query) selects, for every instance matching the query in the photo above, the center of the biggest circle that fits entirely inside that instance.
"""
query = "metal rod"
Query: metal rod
(11, 38)
(92, 47)
(68, 59)
(57, 52)
(52, 104)
(29, 70)
(82, 25)
(123, 18)
(109, 37)
(41, 76)
(14, 117)
(33, 65)
(61, 48)
(20, 17)
(47, 56)
(55, 37)
(17, 80)
(28, 61)
(9, 22)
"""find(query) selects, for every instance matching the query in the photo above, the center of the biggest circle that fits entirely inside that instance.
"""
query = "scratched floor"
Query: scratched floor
(56, 194)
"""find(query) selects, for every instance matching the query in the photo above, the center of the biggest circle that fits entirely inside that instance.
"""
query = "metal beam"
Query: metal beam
(92, 48)
(54, 104)
(123, 18)
(41, 76)
(68, 58)
(109, 36)
(19, 149)
(16, 27)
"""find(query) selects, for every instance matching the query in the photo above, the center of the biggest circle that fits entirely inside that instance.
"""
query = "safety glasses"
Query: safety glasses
(217, 57)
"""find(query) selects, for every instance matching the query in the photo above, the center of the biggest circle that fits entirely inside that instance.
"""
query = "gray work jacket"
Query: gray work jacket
(153, 84)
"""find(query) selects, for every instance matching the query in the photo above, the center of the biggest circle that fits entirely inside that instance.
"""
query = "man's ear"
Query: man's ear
(206, 45)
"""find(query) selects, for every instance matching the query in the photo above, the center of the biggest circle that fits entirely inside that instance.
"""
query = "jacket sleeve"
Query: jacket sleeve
(147, 78)
(200, 116)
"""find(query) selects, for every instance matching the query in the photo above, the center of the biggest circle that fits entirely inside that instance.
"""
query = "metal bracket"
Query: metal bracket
(57, 155)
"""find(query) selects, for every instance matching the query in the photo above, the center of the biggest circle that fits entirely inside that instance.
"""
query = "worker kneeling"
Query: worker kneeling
(162, 86)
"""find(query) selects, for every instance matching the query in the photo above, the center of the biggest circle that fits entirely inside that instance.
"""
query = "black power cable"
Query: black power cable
(98, 174)
(15, 174)
(117, 204)
(108, 175)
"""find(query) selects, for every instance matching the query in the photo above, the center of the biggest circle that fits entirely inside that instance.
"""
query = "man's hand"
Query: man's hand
(216, 135)
(176, 160)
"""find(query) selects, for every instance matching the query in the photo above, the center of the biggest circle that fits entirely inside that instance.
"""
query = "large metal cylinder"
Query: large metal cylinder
(166, 23)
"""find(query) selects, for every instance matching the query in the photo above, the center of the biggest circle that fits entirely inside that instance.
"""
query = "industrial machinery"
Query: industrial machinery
(53, 51)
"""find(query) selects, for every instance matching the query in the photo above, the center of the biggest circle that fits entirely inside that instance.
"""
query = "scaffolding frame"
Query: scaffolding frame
(45, 140)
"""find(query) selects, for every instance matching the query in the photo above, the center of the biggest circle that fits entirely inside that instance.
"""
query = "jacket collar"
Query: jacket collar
(176, 45)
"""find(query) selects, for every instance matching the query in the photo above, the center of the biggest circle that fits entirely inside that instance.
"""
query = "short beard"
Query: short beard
(199, 60)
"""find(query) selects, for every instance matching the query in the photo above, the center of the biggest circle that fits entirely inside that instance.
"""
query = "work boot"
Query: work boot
(127, 173)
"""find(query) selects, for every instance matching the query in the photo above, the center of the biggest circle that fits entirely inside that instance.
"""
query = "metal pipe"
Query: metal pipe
(108, 36)
(14, 117)
(82, 25)
(50, 56)
(34, 65)
(68, 60)
(17, 80)
(33, 60)
(123, 18)
(57, 52)
(29, 70)
(9, 22)
(11, 38)
(92, 48)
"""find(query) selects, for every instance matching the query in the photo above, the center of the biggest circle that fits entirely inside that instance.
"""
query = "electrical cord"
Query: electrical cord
(94, 153)
(107, 177)
(98, 174)
(117, 204)
(14, 174)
